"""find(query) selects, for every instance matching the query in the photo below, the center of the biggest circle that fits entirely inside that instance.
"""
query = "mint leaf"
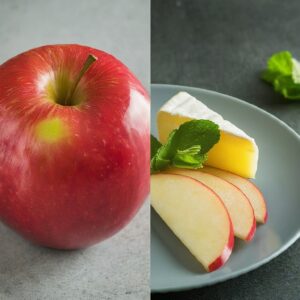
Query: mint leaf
(186, 146)
(296, 71)
(196, 132)
(281, 63)
(159, 163)
(278, 64)
(286, 86)
(283, 72)
(162, 159)
(189, 158)
(155, 145)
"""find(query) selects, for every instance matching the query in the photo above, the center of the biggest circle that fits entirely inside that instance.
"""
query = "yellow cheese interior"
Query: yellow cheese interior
(232, 153)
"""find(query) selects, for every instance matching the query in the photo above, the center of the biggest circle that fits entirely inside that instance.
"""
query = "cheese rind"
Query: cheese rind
(236, 151)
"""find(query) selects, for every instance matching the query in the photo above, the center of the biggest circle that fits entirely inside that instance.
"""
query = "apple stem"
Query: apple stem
(87, 64)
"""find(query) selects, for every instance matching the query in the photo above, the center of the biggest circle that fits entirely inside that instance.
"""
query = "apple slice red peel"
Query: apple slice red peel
(196, 215)
(238, 206)
(220, 261)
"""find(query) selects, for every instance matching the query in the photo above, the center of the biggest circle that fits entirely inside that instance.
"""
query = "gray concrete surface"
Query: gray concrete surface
(119, 267)
(223, 46)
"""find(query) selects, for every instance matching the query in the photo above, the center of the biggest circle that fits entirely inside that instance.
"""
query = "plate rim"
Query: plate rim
(267, 259)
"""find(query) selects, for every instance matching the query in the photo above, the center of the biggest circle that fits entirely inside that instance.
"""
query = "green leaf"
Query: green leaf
(196, 132)
(158, 163)
(190, 158)
(287, 87)
(281, 63)
(186, 146)
(161, 160)
(296, 71)
(283, 72)
(269, 76)
(278, 64)
(155, 145)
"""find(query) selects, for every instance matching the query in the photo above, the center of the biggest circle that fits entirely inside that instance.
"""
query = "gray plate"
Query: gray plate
(172, 266)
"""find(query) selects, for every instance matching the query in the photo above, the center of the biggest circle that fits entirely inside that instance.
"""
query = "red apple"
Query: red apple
(74, 145)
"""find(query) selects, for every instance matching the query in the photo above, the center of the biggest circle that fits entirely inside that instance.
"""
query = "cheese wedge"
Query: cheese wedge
(236, 152)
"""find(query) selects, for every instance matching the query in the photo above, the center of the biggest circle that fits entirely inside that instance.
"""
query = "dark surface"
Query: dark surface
(223, 46)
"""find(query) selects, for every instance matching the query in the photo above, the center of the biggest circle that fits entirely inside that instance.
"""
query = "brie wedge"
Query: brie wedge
(236, 152)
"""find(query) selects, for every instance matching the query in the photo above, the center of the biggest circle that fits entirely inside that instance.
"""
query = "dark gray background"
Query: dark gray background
(223, 46)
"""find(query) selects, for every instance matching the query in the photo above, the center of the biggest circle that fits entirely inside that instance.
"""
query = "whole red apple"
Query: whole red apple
(74, 145)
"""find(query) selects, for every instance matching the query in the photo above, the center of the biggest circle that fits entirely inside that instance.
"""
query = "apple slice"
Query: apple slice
(238, 206)
(196, 215)
(248, 188)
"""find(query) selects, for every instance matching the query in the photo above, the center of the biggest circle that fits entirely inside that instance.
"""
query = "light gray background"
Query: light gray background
(119, 267)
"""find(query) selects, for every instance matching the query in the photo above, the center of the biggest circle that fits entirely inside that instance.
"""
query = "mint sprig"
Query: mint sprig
(186, 147)
(189, 158)
(155, 145)
(283, 72)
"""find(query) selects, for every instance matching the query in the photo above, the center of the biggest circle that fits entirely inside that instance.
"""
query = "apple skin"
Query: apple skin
(252, 231)
(222, 259)
(251, 191)
(81, 184)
